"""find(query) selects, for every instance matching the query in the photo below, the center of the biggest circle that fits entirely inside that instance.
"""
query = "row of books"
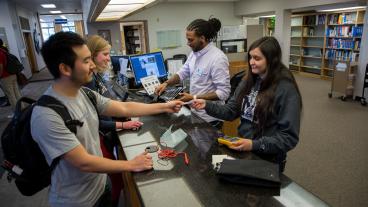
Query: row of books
(321, 19)
(343, 55)
(344, 31)
(345, 18)
(357, 31)
(344, 43)
(339, 31)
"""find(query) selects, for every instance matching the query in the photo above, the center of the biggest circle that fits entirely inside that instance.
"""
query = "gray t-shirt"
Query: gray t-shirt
(69, 185)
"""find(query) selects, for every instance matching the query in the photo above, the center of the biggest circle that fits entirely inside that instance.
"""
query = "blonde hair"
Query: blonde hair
(96, 44)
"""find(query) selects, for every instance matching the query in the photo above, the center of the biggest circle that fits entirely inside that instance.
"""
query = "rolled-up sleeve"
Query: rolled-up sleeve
(221, 78)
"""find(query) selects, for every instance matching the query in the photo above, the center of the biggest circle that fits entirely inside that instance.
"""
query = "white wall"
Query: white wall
(6, 22)
(9, 13)
(86, 6)
(32, 17)
(363, 60)
(177, 16)
(246, 7)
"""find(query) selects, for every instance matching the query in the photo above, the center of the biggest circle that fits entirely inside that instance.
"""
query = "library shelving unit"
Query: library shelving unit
(132, 39)
(319, 39)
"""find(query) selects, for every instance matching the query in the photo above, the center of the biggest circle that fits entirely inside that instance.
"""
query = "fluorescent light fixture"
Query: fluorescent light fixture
(342, 9)
(124, 2)
(41, 20)
(267, 16)
(55, 12)
(117, 9)
(48, 6)
(120, 8)
(63, 17)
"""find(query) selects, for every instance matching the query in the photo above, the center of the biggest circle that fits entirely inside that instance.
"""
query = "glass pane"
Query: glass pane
(70, 23)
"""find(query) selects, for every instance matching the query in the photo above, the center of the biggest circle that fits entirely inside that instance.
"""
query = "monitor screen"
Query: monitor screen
(147, 65)
(120, 63)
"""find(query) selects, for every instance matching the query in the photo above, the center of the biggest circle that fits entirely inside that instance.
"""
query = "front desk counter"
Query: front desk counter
(174, 183)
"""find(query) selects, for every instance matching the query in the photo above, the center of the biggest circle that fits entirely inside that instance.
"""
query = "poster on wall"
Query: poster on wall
(105, 34)
(36, 39)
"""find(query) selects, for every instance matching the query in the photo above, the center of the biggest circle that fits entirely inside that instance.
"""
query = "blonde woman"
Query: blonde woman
(100, 53)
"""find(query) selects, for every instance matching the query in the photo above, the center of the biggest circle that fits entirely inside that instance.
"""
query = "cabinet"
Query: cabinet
(319, 39)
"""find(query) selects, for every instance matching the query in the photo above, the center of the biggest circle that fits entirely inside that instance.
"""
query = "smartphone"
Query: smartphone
(227, 140)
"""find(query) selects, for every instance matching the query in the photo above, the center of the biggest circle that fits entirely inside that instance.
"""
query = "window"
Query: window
(68, 27)
(47, 29)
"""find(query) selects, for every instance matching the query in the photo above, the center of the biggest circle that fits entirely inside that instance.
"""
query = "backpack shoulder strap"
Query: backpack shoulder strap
(92, 97)
(59, 108)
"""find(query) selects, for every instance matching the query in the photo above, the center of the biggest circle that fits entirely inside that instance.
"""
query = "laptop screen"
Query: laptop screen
(147, 65)
(120, 63)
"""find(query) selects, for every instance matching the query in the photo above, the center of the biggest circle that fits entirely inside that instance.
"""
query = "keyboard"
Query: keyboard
(171, 93)
(121, 92)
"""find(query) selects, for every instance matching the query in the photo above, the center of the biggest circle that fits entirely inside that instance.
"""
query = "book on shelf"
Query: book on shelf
(344, 18)
(341, 55)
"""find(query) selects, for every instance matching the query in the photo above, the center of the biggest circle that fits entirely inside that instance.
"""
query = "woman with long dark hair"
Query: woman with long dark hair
(268, 103)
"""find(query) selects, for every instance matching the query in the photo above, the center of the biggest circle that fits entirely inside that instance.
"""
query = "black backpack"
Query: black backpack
(14, 66)
(24, 160)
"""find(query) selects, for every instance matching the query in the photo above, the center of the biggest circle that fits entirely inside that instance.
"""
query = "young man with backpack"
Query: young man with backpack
(79, 178)
(8, 81)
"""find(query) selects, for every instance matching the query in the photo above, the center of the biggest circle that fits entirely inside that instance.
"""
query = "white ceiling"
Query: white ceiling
(65, 6)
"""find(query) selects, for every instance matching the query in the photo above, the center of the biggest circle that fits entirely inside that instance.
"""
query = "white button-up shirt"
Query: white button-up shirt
(208, 70)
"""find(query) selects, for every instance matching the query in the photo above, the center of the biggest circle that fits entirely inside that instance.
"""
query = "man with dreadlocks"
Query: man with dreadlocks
(207, 67)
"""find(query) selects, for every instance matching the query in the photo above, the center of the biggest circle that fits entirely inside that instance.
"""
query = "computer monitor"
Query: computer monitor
(147, 65)
(120, 63)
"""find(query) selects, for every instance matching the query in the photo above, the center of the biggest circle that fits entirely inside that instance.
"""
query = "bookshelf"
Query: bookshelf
(319, 39)
(132, 39)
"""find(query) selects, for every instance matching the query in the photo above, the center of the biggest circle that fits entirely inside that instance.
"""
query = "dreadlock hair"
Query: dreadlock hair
(208, 29)
(276, 71)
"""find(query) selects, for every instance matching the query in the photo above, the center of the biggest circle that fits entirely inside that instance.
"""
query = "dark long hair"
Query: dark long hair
(208, 28)
(276, 71)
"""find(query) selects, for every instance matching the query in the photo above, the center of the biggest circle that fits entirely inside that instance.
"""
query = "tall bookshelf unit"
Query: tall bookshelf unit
(320, 39)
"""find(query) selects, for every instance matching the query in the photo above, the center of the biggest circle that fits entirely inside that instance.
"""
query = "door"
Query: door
(29, 51)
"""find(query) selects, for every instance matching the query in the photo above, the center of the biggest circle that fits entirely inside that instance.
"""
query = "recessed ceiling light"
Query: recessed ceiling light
(342, 9)
(48, 6)
(55, 12)
(117, 9)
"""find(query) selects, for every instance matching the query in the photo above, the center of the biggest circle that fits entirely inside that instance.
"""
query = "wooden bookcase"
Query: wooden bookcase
(318, 39)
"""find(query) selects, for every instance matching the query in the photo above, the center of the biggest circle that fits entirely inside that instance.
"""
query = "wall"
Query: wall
(33, 21)
(177, 16)
(282, 9)
(114, 28)
(9, 13)
(86, 6)
(247, 7)
(363, 60)
(6, 22)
